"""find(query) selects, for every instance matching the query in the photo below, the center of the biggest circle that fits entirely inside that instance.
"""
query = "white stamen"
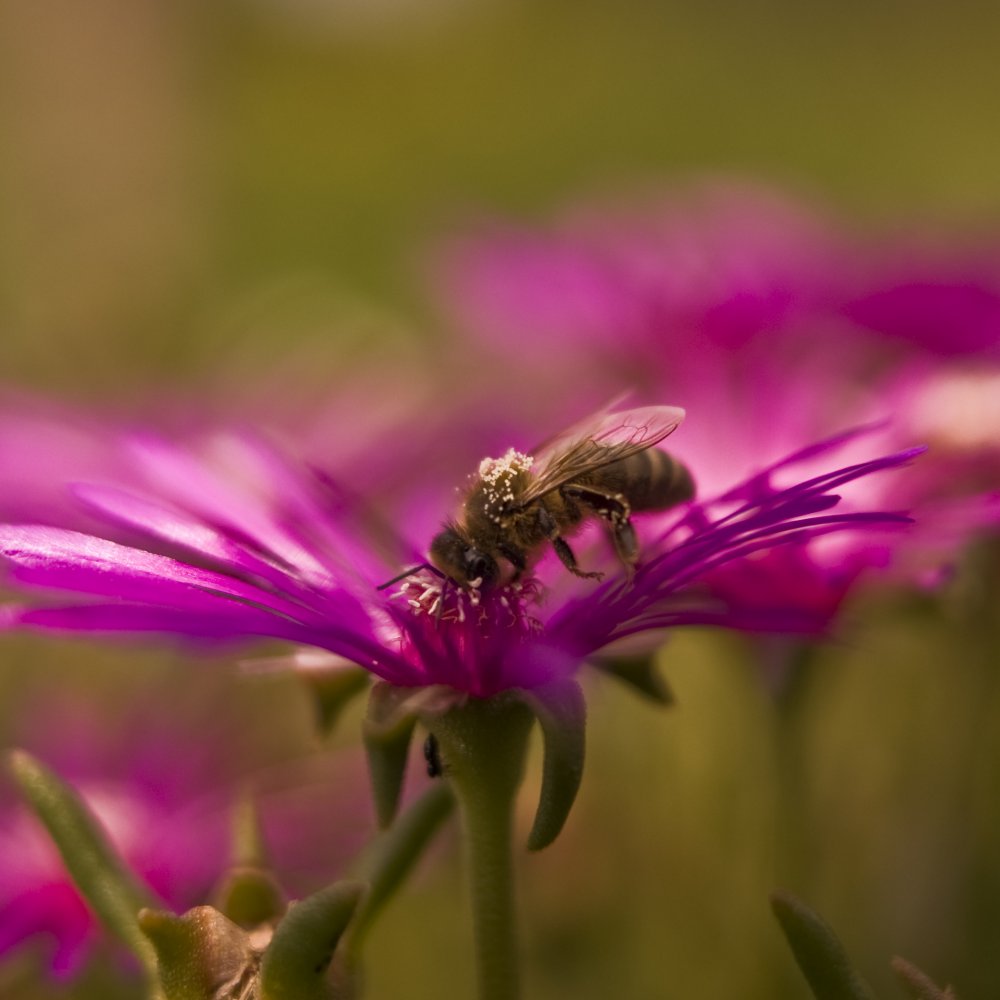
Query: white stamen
(426, 596)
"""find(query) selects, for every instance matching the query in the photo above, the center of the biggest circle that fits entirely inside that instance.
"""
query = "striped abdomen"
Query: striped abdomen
(649, 480)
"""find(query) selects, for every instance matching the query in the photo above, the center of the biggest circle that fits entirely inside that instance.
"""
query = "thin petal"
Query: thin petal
(69, 560)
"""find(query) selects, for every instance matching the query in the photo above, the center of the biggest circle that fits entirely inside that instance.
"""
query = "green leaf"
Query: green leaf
(818, 951)
(640, 672)
(202, 955)
(562, 715)
(95, 866)
(294, 965)
(387, 732)
(917, 983)
(250, 897)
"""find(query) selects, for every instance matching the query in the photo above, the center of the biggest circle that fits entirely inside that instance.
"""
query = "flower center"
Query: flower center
(429, 595)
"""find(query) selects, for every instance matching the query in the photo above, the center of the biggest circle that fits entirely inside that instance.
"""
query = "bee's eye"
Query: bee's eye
(479, 566)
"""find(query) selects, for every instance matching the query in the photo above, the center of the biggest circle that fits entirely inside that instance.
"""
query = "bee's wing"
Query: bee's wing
(597, 441)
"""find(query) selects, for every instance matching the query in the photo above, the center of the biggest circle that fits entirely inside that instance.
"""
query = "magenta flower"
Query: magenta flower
(936, 298)
(242, 543)
(44, 445)
(771, 327)
(235, 541)
(720, 267)
(163, 788)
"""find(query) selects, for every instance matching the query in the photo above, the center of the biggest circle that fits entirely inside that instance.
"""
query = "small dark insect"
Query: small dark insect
(432, 755)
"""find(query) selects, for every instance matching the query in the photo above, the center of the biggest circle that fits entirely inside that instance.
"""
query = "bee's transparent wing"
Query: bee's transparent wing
(597, 441)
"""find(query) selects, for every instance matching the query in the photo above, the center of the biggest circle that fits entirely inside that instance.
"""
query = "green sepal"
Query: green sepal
(391, 856)
(918, 984)
(92, 861)
(818, 951)
(387, 731)
(202, 954)
(332, 691)
(562, 714)
(250, 897)
(294, 965)
(641, 672)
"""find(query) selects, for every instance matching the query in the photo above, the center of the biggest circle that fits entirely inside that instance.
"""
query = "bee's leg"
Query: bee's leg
(613, 508)
(568, 560)
(561, 546)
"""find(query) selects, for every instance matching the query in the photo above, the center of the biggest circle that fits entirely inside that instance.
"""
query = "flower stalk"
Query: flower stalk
(483, 744)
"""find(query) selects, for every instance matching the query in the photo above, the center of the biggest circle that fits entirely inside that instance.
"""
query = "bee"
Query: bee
(604, 467)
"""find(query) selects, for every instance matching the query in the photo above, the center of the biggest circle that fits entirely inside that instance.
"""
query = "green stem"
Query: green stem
(483, 745)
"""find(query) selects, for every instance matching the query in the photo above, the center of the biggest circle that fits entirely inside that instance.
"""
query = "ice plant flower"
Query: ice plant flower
(720, 265)
(239, 542)
(234, 540)
(772, 326)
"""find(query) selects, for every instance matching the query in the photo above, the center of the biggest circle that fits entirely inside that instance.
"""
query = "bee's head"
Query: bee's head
(459, 560)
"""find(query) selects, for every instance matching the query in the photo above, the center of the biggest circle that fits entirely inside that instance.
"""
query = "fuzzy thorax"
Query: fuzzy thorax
(498, 477)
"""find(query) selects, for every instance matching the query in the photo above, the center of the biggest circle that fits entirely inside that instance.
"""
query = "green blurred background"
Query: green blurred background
(194, 189)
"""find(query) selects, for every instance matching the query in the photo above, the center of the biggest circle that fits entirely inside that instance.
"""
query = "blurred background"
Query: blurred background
(194, 194)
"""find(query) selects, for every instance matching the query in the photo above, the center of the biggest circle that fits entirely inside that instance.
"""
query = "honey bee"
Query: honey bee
(605, 467)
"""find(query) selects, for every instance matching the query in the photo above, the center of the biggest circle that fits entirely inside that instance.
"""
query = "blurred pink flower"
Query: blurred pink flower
(163, 786)
(719, 266)
(771, 326)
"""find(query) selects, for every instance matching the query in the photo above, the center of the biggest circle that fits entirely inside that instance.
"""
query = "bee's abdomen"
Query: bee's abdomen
(651, 480)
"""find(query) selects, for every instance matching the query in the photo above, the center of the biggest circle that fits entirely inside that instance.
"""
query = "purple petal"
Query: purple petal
(238, 501)
(72, 561)
(181, 531)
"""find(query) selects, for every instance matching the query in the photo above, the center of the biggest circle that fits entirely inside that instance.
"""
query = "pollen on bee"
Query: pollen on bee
(497, 475)
(491, 470)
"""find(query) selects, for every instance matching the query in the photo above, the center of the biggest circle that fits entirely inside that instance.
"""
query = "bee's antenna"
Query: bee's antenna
(410, 572)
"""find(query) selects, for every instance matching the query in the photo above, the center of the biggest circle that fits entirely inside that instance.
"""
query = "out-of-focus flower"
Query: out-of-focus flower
(934, 298)
(143, 784)
(771, 326)
(236, 541)
(43, 446)
(719, 266)
(164, 788)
